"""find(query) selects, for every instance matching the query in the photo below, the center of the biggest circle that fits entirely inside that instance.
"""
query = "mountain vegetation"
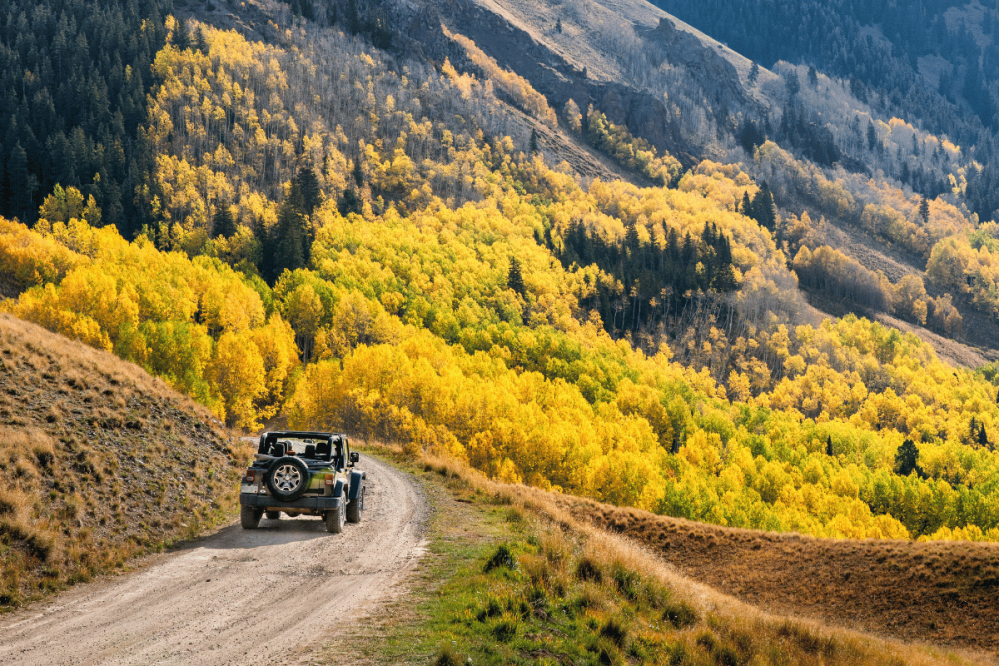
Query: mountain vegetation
(74, 77)
(370, 243)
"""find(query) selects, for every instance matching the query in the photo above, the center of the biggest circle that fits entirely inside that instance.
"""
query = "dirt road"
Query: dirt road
(236, 597)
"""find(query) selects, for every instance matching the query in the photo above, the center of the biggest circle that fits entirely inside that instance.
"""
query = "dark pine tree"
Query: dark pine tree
(907, 459)
(349, 202)
(268, 263)
(514, 278)
(20, 182)
(829, 446)
(200, 43)
(358, 173)
(223, 224)
(924, 209)
(182, 37)
(289, 240)
(308, 11)
(872, 136)
(750, 135)
(353, 18)
(792, 83)
(308, 185)
(764, 210)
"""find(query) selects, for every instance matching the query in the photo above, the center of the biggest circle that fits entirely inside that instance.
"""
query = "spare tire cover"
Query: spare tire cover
(287, 478)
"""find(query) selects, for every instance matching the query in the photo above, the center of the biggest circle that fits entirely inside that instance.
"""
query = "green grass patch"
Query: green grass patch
(500, 587)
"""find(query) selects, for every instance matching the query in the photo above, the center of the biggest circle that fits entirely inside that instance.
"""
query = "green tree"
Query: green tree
(349, 202)
(907, 459)
(764, 210)
(358, 172)
(223, 223)
(182, 37)
(514, 278)
(200, 43)
(308, 186)
(291, 237)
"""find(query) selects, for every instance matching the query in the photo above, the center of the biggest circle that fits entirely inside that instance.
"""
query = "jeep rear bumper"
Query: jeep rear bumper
(315, 503)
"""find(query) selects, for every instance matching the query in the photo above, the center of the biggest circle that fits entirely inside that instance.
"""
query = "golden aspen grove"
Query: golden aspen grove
(372, 245)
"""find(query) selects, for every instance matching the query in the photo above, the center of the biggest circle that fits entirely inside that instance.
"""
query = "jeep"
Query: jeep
(303, 473)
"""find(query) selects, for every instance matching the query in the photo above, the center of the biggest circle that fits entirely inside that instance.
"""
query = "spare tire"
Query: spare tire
(287, 478)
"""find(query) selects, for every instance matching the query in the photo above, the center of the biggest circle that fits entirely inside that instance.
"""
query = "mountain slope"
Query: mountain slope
(101, 462)
(691, 96)
(903, 589)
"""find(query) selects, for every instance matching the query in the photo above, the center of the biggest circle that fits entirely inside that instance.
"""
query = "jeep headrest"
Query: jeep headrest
(324, 450)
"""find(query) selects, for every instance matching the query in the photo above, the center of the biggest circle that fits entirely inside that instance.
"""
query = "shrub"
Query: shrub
(501, 558)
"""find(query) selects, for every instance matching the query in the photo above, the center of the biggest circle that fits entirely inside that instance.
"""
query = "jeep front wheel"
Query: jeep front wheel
(334, 519)
(273, 515)
(249, 517)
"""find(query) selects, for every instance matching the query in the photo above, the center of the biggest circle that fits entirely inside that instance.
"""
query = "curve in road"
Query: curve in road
(236, 597)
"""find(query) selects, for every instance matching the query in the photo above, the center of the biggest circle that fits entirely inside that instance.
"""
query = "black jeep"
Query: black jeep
(303, 473)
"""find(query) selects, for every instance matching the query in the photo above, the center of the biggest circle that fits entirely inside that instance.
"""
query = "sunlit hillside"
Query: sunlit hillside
(361, 238)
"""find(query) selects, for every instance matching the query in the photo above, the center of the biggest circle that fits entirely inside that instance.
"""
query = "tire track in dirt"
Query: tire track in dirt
(238, 596)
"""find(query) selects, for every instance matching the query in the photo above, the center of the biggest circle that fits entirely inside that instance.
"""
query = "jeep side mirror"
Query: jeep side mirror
(354, 457)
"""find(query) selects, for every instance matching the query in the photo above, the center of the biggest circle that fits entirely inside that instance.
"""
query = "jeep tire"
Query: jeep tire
(334, 519)
(287, 478)
(355, 507)
(249, 517)
(273, 515)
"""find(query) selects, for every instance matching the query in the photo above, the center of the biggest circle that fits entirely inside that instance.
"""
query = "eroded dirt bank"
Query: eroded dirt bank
(236, 597)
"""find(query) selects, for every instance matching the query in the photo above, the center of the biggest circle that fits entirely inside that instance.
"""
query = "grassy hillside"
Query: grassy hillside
(513, 577)
(100, 462)
(899, 588)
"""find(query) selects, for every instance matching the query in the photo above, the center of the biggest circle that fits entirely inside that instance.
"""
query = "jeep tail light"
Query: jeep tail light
(251, 477)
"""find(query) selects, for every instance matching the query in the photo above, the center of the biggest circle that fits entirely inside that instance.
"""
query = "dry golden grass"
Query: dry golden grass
(943, 592)
(596, 543)
(101, 462)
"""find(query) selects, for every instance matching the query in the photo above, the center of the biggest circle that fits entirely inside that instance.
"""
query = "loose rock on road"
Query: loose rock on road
(236, 597)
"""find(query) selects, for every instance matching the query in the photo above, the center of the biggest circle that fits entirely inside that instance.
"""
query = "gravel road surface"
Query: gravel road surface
(265, 596)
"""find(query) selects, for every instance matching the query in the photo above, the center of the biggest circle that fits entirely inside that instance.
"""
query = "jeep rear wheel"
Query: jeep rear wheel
(356, 506)
(249, 517)
(334, 519)
(287, 478)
